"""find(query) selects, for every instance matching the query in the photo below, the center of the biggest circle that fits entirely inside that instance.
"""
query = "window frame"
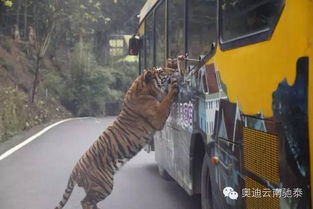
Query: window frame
(151, 13)
(142, 53)
(249, 38)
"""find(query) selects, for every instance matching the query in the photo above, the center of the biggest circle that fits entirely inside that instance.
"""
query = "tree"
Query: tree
(62, 30)
(7, 3)
(47, 14)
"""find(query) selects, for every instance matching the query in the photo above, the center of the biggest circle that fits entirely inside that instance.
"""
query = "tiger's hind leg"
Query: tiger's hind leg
(91, 199)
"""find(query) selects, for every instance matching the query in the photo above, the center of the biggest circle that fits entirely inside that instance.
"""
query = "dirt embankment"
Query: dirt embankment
(16, 77)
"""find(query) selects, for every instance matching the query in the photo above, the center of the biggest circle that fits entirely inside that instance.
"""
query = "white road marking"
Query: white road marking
(22, 144)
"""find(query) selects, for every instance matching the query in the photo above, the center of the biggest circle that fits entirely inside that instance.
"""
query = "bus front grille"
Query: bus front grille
(261, 151)
(259, 197)
(261, 163)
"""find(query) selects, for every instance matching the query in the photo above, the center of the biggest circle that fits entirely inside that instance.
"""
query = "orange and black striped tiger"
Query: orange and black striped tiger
(145, 109)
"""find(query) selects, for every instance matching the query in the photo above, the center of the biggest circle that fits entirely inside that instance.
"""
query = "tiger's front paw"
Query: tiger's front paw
(174, 88)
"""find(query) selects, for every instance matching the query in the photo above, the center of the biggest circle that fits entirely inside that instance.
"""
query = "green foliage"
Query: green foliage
(87, 88)
(79, 30)
(68, 31)
(11, 112)
(2, 61)
(7, 46)
(124, 75)
(17, 114)
(90, 88)
(82, 17)
(9, 66)
(53, 82)
(86, 92)
(7, 3)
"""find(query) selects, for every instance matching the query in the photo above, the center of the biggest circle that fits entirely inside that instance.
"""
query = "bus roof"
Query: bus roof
(146, 8)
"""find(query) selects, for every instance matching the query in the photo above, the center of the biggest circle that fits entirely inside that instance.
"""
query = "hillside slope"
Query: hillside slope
(16, 77)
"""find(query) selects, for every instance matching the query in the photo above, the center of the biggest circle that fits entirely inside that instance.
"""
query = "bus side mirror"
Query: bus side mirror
(134, 44)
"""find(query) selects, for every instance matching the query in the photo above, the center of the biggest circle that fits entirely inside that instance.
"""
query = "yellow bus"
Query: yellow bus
(241, 131)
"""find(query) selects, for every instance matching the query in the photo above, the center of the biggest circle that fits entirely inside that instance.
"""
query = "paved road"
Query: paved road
(35, 176)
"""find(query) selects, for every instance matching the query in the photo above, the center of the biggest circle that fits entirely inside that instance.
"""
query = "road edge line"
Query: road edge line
(28, 140)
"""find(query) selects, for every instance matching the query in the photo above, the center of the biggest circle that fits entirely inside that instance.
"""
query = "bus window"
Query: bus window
(160, 35)
(149, 41)
(242, 18)
(201, 26)
(176, 28)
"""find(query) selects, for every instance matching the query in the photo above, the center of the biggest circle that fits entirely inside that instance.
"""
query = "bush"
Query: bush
(90, 89)
(7, 45)
(9, 66)
(87, 89)
(12, 116)
(54, 84)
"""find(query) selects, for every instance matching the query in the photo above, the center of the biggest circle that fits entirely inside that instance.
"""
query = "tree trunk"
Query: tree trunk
(81, 45)
(25, 19)
(41, 49)
(36, 79)
(18, 13)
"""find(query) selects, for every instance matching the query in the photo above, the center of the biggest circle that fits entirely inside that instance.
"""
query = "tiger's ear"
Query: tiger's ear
(148, 77)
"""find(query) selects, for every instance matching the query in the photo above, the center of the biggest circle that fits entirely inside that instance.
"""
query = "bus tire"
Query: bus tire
(206, 195)
(164, 174)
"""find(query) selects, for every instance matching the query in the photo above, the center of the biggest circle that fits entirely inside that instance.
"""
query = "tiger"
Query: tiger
(145, 109)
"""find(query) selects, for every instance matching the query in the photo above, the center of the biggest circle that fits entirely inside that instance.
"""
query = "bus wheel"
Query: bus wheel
(206, 195)
(164, 174)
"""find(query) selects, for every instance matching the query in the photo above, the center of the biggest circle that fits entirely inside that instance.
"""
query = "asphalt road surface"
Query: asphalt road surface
(35, 176)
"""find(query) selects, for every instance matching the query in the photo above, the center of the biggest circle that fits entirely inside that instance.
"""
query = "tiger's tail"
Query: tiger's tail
(68, 191)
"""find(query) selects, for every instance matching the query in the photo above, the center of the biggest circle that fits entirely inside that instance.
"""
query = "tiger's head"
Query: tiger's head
(157, 80)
